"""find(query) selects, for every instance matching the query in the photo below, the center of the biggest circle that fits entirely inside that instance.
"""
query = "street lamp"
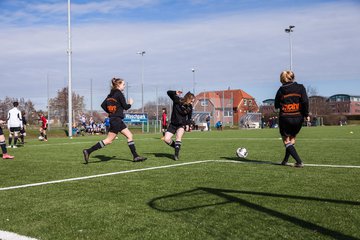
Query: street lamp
(193, 71)
(142, 53)
(289, 31)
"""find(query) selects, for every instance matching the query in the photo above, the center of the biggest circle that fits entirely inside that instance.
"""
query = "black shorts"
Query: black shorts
(1, 131)
(15, 129)
(290, 126)
(116, 125)
(172, 128)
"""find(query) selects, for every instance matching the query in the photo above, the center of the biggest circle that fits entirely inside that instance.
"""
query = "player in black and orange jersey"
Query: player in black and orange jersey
(293, 102)
(180, 119)
(116, 115)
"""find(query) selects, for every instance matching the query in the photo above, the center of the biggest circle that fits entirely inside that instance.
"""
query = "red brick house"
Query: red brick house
(226, 105)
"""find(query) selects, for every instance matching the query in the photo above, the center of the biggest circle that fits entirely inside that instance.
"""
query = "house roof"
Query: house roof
(216, 97)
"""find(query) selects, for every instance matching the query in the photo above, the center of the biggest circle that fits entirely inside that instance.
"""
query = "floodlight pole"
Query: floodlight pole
(289, 31)
(142, 53)
(69, 52)
(193, 71)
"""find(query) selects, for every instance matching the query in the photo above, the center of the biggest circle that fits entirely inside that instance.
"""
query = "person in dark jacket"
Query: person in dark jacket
(116, 123)
(180, 119)
(293, 102)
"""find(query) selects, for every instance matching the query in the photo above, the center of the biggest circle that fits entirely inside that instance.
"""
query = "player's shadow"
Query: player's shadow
(226, 196)
(162, 155)
(247, 160)
(103, 158)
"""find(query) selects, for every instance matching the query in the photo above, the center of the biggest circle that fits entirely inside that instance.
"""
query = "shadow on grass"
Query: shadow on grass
(250, 161)
(162, 155)
(227, 198)
(103, 158)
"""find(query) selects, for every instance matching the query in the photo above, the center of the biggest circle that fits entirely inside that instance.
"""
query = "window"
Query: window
(204, 102)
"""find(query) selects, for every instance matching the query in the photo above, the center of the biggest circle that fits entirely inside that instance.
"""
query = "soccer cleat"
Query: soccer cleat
(7, 156)
(139, 159)
(176, 157)
(14, 146)
(298, 165)
(86, 156)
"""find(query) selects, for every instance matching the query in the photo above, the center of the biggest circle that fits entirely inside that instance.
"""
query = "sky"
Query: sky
(230, 44)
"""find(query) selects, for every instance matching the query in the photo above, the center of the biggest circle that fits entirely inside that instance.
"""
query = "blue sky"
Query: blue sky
(231, 44)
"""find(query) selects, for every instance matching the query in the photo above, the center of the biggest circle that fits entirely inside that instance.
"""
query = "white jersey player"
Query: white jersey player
(14, 122)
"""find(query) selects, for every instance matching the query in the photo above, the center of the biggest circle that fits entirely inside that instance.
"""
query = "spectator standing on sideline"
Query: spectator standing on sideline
(293, 102)
(5, 155)
(107, 124)
(208, 122)
(14, 124)
(116, 115)
(180, 119)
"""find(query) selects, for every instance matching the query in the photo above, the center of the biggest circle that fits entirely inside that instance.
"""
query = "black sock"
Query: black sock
(10, 140)
(45, 136)
(287, 153)
(3, 147)
(171, 144)
(132, 147)
(22, 138)
(293, 153)
(177, 147)
(15, 140)
(97, 146)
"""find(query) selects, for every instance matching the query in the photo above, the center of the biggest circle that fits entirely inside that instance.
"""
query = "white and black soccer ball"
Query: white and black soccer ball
(241, 152)
(41, 138)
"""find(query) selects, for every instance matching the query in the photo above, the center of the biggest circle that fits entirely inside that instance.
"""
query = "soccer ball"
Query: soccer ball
(41, 138)
(241, 152)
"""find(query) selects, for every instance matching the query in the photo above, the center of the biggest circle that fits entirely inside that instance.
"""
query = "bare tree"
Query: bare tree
(26, 106)
(59, 105)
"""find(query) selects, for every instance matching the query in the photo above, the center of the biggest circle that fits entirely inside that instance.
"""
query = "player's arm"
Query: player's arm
(174, 95)
(121, 98)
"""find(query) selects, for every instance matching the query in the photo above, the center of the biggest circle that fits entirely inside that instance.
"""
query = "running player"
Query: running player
(292, 100)
(14, 122)
(116, 114)
(180, 119)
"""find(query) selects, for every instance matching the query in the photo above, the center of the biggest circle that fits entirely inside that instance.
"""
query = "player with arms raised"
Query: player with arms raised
(180, 119)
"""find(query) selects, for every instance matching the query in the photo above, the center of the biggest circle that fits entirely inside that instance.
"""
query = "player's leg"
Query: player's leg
(179, 134)
(11, 133)
(286, 141)
(45, 135)
(16, 136)
(126, 132)
(5, 155)
(171, 130)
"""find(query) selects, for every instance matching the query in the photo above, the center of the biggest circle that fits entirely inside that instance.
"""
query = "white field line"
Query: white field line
(4, 235)
(101, 175)
(160, 167)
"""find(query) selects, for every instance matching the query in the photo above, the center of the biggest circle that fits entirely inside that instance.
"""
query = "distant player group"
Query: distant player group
(291, 100)
(16, 123)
